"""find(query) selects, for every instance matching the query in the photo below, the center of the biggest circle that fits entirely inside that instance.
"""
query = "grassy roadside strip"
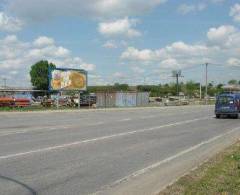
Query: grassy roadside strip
(43, 109)
(32, 108)
(220, 175)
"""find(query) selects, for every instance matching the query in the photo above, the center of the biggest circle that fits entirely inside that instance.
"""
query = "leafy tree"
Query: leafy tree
(219, 86)
(233, 82)
(121, 87)
(191, 88)
(39, 74)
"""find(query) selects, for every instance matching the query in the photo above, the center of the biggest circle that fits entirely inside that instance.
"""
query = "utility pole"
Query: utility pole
(206, 88)
(177, 74)
(79, 100)
(200, 90)
(177, 77)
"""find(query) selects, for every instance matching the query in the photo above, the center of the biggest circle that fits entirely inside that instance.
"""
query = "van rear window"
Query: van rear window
(225, 100)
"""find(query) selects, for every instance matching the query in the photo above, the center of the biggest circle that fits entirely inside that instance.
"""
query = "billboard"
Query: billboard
(67, 79)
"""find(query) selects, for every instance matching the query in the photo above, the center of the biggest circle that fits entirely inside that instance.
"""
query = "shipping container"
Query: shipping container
(122, 99)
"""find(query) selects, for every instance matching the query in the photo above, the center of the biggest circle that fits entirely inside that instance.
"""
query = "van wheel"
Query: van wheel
(218, 115)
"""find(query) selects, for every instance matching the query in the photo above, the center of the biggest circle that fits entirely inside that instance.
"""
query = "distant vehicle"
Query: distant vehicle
(14, 102)
(228, 104)
(176, 101)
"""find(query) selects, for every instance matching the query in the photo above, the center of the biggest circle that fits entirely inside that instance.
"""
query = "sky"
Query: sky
(125, 41)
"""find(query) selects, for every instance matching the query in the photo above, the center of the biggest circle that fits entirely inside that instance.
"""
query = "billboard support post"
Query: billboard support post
(79, 100)
(58, 96)
(89, 101)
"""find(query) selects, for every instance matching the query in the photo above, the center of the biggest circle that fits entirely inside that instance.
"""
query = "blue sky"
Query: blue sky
(126, 41)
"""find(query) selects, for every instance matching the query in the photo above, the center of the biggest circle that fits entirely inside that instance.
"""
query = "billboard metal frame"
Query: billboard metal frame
(65, 69)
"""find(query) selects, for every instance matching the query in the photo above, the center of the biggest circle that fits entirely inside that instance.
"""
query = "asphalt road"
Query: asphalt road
(106, 152)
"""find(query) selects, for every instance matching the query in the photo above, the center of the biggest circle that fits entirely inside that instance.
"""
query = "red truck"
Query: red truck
(14, 102)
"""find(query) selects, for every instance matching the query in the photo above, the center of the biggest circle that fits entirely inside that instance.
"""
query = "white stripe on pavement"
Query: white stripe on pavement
(99, 139)
(61, 127)
(153, 166)
(125, 119)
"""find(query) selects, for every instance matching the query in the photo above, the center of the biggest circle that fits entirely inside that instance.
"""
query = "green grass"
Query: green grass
(221, 175)
(33, 108)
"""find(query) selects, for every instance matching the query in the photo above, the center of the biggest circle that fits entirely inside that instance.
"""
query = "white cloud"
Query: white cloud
(110, 45)
(220, 33)
(139, 55)
(96, 79)
(187, 8)
(9, 24)
(88, 67)
(222, 46)
(121, 27)
(119, 75)
(233, 62)
(49, 51)
(235, 12)
(44, 10)
(43, 41)
(224, 36)
(16, 56)
(169, 63)
(137, 70)
(13, 72)
(218, 1)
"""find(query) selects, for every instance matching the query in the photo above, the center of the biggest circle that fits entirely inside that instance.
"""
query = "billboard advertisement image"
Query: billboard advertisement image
(67, 79)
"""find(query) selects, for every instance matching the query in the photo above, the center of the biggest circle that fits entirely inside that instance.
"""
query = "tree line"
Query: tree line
(190, 89)
(39, 80)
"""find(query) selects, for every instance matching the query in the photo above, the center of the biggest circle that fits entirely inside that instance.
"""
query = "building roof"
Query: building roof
(232, 87)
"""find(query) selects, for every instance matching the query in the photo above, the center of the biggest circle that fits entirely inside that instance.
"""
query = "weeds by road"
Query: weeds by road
(220, 175)
(34, 108)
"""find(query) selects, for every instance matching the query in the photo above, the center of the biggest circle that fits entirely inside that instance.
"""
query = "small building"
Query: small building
(232, 88)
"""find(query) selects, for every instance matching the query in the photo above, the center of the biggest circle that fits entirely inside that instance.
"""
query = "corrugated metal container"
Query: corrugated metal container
(106, 100)
(122, 99)
(126, 99)
(100, 100)
(110, 100)
(142, 99)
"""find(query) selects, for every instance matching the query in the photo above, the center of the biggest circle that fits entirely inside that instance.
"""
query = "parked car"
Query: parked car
(228, 104)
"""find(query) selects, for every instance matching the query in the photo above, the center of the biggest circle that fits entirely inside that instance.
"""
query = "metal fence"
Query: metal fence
(122, 99)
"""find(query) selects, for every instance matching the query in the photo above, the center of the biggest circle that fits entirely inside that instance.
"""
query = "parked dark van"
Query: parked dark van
(228, 104)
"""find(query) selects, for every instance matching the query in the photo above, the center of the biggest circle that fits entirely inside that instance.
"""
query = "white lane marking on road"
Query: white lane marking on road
(153, 166)
(53, 128)
(148, 117)
(100, 138)
(125, 119)
(166, 114)
(46, 129)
